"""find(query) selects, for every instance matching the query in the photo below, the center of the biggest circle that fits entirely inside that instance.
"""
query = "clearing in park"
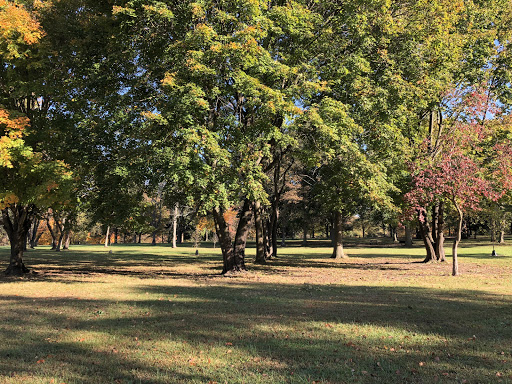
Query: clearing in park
(143, 314)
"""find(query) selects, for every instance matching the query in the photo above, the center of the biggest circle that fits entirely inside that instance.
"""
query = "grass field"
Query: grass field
(145, 314)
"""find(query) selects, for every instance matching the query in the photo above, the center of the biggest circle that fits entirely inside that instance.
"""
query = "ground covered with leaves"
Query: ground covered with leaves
(143, 314)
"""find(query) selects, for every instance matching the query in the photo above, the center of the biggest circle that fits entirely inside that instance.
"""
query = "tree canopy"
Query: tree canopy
(222, 105)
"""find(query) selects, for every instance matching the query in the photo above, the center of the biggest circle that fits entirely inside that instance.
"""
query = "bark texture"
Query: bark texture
(16, 221)
(433, 236)
(458, 236)
(241, 236)
(233, 250)
(260, 241)
(338, 252)
(174, 226)
(408, 236)
(225, 241)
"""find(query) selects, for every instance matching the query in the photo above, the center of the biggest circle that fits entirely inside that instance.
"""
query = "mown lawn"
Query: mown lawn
(145, 314)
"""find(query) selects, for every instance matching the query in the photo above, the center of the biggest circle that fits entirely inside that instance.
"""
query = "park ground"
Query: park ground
(143, 314)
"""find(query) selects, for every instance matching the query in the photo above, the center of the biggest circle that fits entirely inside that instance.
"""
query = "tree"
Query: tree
(30, 179)
(30, 184)
(226, 79)
(348, 175)
(471, 163)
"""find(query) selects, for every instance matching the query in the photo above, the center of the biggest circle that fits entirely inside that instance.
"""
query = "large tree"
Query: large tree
(472, 161)
(227, 78)
(31, 179)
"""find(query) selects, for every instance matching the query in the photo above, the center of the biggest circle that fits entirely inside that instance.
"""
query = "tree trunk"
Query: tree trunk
(36, 243)
(337, 252)
(59, 242)
(266, 238)
(52, 233)
(395, 236)
(16, 225)
(260, 241)
(458, 236)
(408, 236)
(273, 227)
(502, 237)
(67, 240)
(140, 238)
(116, 234)
(60, 226)
(435, 223)
(174, 225)
(426, 235)
(241, 236)
(16, 266)
(225, 241)
(135, 238)
(33, 238)
(107, 236)
(439, 244)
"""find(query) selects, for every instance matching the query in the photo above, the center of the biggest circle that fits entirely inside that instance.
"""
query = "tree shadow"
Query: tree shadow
(282, 328)
(24, 353)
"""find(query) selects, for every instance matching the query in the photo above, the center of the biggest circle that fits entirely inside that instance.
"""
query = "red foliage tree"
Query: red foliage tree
(472, 162)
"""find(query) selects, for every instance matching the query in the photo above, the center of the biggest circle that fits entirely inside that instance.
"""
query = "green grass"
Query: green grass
(147, 314)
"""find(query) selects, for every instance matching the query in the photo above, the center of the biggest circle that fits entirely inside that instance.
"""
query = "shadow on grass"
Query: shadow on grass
(120, 262)
(27, 352)
(159, 262)
(327, 333)
(293, 262)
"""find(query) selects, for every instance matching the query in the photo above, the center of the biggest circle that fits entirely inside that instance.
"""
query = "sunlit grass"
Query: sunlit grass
(143, 314)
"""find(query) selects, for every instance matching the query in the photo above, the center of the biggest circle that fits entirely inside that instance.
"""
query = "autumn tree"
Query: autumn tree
(466, 49)
(228, 78)
(472, 162)
(30, 179)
